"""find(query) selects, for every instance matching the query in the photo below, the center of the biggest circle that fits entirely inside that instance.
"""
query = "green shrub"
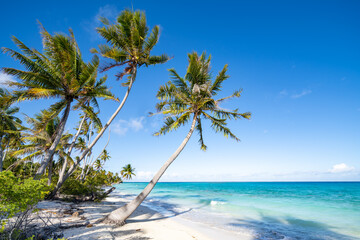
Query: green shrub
(17, 199)
(18, 195)
(93, 184)
(75, 187)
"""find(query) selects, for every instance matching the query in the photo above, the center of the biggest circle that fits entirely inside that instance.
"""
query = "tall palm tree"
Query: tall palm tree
(127, 172)
(9, 124)
(182, 100)
(130, 45)
(59, 72)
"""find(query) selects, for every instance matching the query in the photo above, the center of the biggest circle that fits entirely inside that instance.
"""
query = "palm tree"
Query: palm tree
(9, 124)
(58, 72)
(182, 100)
(127, 172)
(130, 45)
(39, 138)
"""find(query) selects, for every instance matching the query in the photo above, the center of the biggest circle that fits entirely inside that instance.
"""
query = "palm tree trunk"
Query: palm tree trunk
(92, 163)
(63, 169)
(2, 153)
(50, 167)
(73, 167)
(121, 214)
(1, 157)
(51, 151)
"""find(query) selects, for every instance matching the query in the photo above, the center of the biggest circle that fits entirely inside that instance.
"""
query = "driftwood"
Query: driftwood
(89, 198)
(109, 191)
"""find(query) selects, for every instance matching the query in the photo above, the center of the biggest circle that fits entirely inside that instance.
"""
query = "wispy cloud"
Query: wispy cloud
(301, 94)
(121, 127)
(108, 11)
(283, 93)
(5, 78)
(341, 168)
(143, 175)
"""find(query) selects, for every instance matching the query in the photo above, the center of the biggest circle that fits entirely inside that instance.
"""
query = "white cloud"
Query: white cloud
(143, 176)
(303, 93)
(5, 78)
(108, 11)
(121, 127)
(137, 123)
(340, 168)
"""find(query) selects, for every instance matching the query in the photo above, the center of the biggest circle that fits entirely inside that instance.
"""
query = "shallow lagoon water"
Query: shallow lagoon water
(280, 210)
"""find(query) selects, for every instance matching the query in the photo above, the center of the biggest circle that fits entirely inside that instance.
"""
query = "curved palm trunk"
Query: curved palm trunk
(1, 156)
(73, 167)
(50, 153)
(92, 162)
(121, 214)
(50, 168)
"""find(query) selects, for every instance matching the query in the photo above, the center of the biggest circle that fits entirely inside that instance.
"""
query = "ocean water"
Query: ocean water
(281, 210)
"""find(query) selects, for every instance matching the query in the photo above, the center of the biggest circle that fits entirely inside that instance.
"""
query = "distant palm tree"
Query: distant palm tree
(183, 100)
(9, 124)
(127, 172)
(58, 72)
(129, 44)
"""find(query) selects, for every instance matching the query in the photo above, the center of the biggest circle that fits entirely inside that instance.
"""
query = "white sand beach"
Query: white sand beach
(144, 224)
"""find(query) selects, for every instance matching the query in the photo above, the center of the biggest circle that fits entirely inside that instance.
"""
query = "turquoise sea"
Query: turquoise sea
(277, 210)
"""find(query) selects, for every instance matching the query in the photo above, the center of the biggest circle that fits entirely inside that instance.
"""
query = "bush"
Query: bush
(92, 186)
(17, 200)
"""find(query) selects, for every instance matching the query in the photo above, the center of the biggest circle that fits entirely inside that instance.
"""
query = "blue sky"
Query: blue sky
(298, 63)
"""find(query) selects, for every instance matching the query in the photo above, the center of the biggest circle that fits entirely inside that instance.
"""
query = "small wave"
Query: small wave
(213, 203)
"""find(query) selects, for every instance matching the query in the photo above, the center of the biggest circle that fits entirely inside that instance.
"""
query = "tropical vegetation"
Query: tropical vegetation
(41, 157)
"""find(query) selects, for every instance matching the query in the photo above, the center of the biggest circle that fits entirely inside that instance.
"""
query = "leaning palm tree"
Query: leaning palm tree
(130, 45)
(59, 72)
(9, 124)
(127, 172)
(182, 100)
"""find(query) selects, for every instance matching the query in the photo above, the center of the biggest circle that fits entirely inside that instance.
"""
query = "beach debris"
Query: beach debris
(76, 214)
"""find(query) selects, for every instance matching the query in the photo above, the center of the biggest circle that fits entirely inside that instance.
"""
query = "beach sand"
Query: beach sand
(143, 224)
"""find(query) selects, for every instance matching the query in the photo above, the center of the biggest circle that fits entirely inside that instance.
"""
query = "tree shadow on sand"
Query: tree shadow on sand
(170, 208)
(290, 228)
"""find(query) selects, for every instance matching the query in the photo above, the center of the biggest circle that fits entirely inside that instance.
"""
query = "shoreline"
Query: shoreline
(145, 223)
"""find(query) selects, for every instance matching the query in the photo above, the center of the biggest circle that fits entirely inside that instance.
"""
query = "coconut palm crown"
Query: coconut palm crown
(39, 138)
(129, 42)
(59, 72)
(192, 97)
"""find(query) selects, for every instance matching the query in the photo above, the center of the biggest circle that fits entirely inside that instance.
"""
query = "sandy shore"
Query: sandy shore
(144, 224)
